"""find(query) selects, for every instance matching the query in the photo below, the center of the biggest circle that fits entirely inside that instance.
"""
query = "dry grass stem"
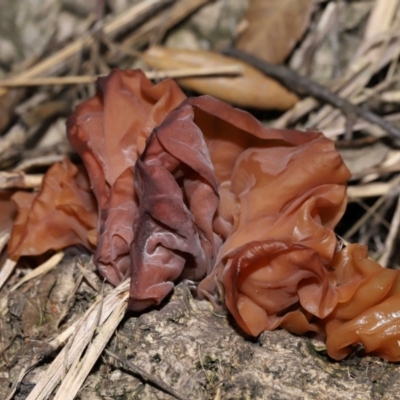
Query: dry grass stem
(6, 270)
(302, 58)
(71, 365)
(301, 109)
(374, 54)
(75, 80)
(370, 190)
(165, 20)
(14, 137)
(80, 338)
(370, 211)
(334, 131)
(47, 266)
(392, 236)
(20, 180)
(391, 96)
(91, 277)
(381, 17)
(42, 161)
(108, 304)
(113, 304)
(4, 238)
(76, 376)
(111, 28)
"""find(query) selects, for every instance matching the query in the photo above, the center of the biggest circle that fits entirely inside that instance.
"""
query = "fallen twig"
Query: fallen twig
(19, 180)
(6, 270)
(145, 376)
(304, 86)
(47, 266)
(74, 80)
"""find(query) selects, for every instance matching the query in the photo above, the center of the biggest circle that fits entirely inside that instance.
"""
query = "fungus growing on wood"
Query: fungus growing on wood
(178, 197)
(280, 203)
(191, 189)
(109, 132)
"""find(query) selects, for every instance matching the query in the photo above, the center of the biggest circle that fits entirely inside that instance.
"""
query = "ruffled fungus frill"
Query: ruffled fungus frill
(173, 227)
(109, 132)
(368, 307)
(179, 196)
(275, 283)
(279, 266)
(281, 201)
(62, 214)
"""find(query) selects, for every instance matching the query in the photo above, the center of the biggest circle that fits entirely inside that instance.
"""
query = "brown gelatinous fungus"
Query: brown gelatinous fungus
(109, 132)
(178, 196)
(274, 284)
(279, 204)
(368, 308)
(62, 214)
(195, 190)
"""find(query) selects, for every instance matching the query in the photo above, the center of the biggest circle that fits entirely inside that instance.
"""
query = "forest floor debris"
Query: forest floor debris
(48, 335)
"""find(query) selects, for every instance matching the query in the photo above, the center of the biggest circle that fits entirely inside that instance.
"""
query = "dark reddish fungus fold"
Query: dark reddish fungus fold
(173, 231)
(194, 190)
(109, 132)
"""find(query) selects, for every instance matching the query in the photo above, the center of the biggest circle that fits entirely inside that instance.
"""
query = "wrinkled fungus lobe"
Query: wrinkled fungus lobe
(288, 196)
(109, 132)
(194, 190)
(368, 307)
(281, 195)
(179, 196)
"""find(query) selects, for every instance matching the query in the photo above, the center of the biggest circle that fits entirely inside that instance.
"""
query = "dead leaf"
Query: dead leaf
(274, 27)
(251, 89)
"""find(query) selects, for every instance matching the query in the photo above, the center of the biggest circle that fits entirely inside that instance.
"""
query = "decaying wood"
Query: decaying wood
(187, 347)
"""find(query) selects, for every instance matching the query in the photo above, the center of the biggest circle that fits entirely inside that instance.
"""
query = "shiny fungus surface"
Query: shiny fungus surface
(109, 132)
